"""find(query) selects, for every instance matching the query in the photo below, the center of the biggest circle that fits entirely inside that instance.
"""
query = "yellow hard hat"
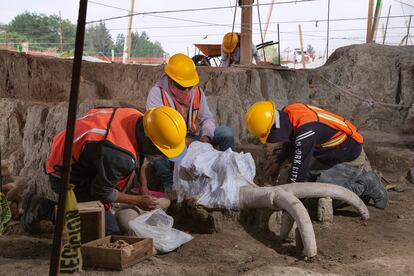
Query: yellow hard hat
(167, 130)
(182, 70)
(260, 118)
(230, 41)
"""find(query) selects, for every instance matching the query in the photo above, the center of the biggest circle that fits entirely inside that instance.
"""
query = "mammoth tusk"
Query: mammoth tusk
(316, 189)
(291, 204)
(277, 198)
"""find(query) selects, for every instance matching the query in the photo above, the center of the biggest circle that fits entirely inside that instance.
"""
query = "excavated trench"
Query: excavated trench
(355, 83)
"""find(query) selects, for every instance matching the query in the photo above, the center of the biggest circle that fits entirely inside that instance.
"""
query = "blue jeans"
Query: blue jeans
(223, 139)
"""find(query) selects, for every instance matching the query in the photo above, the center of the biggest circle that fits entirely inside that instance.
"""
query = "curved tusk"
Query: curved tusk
(277, 198)
(286, 225)
(287, 201)
(316, 189)
(256, 198)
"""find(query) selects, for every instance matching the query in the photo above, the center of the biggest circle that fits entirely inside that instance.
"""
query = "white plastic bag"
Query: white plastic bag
(157, 225)
(212, 177)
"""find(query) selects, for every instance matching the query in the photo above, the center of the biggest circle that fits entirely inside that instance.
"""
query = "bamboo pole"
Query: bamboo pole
(127, 45)
(369, 21)
(269, 15)
(70, 129)
(386, 25)
(408, 31)
(377, 14)
(301, 46)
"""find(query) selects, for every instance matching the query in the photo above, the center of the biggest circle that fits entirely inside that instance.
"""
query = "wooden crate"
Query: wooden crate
(92, 215)
(96, 254)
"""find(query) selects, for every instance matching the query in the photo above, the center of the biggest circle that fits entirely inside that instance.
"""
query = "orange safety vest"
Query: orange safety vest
(116, 125)
(193, 118)
(300, 114)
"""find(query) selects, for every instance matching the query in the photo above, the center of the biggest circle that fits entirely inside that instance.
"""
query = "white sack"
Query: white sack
(157, 225)
(213, 177)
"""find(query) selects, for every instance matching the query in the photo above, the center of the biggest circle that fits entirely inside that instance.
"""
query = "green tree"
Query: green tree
(119, 44)
(310, 49)
(141, 46)
(271, 54)
(41, 31)
(98, 40)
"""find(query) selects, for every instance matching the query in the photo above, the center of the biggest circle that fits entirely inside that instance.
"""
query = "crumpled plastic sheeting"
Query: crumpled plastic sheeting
(212, 177)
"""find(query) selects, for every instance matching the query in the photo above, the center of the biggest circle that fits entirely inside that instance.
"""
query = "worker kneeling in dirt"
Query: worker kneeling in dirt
(230, 50)
(179, 88)
(308, 131)
(109, 146)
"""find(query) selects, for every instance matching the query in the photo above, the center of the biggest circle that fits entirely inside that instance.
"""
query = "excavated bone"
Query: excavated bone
(287, 201)
(286, 225)
(278, 198)
(316, 189)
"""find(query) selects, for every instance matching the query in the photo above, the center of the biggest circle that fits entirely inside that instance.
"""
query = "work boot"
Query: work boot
(35, 209)
(374, 189)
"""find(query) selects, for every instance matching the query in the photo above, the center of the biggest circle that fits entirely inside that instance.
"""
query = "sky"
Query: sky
(181, 30)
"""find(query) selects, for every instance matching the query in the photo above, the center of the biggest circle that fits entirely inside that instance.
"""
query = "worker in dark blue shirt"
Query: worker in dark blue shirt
(322, 146)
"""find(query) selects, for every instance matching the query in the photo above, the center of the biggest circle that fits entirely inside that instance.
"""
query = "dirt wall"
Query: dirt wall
(34, 93)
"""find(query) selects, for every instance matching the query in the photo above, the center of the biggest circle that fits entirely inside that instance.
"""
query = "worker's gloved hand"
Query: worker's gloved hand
(205, 139)
(273, 171)
(146, 202)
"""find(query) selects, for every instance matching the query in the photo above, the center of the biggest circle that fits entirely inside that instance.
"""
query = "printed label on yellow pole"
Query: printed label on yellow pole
(70, 256)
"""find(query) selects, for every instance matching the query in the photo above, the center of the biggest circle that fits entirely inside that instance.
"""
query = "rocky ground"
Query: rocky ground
(349, 246)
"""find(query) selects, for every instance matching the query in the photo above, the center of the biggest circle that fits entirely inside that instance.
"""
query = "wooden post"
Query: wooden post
(386, 25)
(269, 15)
(70, 130)
(301, 46)
(376, 21)
(127, 45)
(246, 33)
(369, 22)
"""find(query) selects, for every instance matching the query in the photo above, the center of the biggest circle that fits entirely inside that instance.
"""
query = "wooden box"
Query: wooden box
(98, 253)
(92, 215)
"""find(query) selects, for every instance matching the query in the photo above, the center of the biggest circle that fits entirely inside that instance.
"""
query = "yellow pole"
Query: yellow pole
(127, 45)
(301, 46)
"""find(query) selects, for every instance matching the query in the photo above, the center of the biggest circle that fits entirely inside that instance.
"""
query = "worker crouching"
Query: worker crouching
(230, 50)
(179, 88)
(334, 143)
(109, 147)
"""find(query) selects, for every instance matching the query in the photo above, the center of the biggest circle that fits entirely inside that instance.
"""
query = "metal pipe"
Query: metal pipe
(408, 31)
(70, 129)
(327, 30)
(386, 25)
(278, 43)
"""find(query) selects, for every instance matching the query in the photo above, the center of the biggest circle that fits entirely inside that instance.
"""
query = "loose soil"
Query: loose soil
(381, 245)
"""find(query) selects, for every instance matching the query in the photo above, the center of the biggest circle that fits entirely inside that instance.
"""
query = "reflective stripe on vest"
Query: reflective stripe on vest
(300, 114)
(193, 118)
(116, 125)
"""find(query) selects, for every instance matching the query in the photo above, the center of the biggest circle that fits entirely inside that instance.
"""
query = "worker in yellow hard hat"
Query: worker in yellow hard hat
(108, 150)
(324, 147)
(230, 50)
(179, 88)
